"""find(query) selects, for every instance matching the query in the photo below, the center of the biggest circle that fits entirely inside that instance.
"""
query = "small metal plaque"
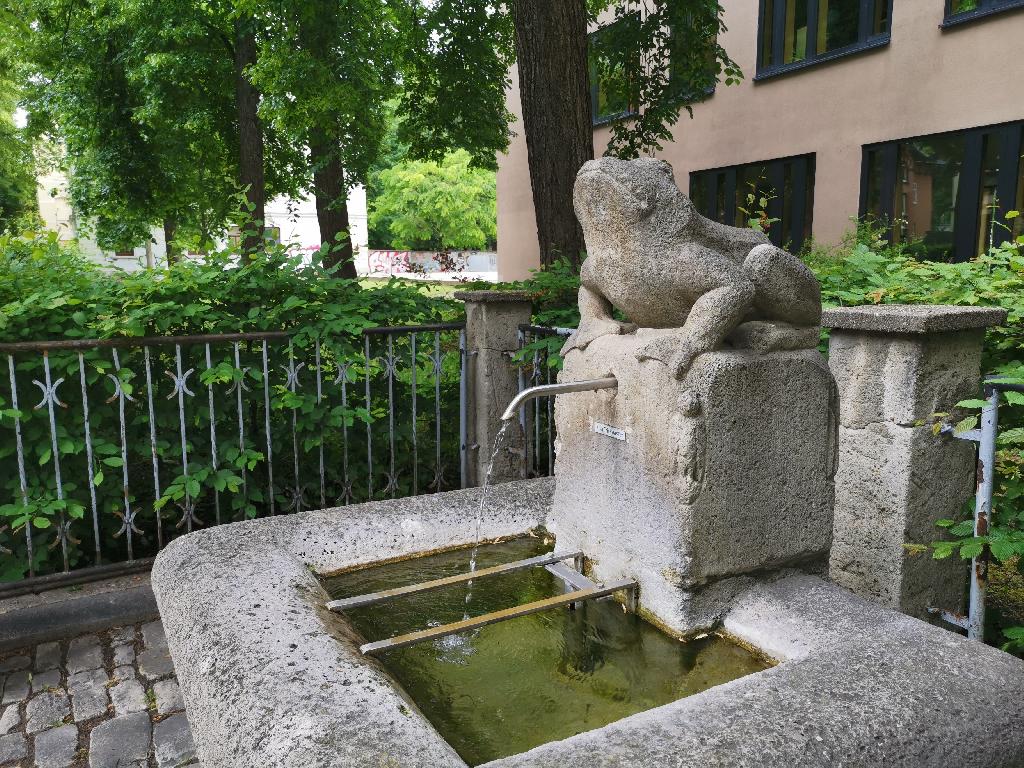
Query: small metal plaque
(608, 431)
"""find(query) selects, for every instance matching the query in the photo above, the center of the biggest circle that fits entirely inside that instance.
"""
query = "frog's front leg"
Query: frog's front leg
(595, 321)
(713, 317)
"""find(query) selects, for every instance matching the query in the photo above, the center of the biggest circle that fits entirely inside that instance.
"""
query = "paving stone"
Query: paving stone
(14, 663)
(47, 656)
(128, 696)
(124, 655)
(46, 710)
(56, 748)
(122, 635)
(15, 687)
(13, 746)
(43, 680)
(88, 694)
(10, 719)
(124, 673)
(84, 653)
(168, 697)
(172, 742)
(153, 635)
(155, 663)
(120, 742)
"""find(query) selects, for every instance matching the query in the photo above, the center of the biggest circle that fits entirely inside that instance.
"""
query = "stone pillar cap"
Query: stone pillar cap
(911, 318)
(493, 296)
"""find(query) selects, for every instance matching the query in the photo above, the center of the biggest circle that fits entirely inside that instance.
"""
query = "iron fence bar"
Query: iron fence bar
(239, 387)
(270, 446)
(346, 488)
(153, 450)
(463, 427)
(535, 377)
(415, 458)
(213, 436)
(49, 397)
(128, 526)
(437, 365)
(392, 479)
(983, 509)
(521, 385)
(319, 400)
(551, 441)
(136, 341)
(22, 477)
(89, 458)
(369, 429)
(292, 384)
(181, 389)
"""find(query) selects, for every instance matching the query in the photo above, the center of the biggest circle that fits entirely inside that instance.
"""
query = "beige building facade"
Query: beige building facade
(907, 109)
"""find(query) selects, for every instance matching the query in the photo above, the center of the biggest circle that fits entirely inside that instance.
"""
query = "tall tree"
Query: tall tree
(551, 50)
(149, 115)
(17, 166)
(250, 131)
(662, 57)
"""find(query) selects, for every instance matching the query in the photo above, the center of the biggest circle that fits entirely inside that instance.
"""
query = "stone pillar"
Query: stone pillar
(695, 488)
(895, 366)
(492, 337)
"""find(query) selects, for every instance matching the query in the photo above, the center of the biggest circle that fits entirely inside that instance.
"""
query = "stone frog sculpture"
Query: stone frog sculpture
(651, 255)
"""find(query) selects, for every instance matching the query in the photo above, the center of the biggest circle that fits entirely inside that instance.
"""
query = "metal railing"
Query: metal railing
(986, 438)
(124, 450)
(537, 417)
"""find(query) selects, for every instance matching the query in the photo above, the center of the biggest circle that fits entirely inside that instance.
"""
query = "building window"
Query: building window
(797, 33)
(776, 195)
(608, 105)
(958, 11)
(945, 196)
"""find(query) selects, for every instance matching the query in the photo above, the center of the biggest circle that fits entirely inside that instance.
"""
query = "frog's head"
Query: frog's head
(613, 198)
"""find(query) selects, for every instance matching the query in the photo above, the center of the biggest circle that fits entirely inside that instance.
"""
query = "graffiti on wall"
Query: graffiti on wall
(380, 262)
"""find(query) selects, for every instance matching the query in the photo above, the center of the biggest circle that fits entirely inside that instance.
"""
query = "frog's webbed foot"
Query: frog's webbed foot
(590, 330)
(674, 349)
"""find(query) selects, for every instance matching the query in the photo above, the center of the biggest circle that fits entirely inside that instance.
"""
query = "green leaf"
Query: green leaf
(972, 548)
(965, 425)
(1014, 398)
(114, 461)
(972, 404)
(41, 522)
(97, 479)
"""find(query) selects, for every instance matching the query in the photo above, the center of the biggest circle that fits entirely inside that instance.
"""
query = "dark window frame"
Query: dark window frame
(865, 40)
(800, 227)
(985, 9)
(967, 209)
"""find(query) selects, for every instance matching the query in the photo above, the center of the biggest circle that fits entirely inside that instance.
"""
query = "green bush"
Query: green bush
(50, 291)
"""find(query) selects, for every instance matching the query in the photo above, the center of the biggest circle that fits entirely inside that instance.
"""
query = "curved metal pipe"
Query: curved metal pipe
(586, 385)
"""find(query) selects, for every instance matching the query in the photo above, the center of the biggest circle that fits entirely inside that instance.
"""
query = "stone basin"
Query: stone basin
(271, 678)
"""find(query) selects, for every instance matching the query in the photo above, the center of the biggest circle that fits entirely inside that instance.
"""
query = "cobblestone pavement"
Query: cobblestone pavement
(104, 700)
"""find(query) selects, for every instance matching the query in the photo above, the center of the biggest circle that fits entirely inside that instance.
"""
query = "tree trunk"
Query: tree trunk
(551, 49)
(170, 230)
(331, 206)
(250, 135)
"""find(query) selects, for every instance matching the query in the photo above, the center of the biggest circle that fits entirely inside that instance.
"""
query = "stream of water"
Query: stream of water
(498, 440)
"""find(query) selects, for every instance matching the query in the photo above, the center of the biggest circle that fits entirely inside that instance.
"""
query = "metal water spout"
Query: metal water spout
(587, 385)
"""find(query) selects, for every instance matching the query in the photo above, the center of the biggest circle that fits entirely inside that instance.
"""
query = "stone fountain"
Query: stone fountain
(704, 474)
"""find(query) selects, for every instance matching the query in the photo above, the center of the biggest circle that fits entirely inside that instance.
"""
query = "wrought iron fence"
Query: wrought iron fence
(538, 360)
(113, 461)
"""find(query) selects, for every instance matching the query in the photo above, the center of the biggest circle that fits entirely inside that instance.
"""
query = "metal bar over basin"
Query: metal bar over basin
(359, 601)
(491, 618)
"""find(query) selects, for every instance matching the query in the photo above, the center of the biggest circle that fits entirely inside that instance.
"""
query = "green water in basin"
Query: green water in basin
(511, 686)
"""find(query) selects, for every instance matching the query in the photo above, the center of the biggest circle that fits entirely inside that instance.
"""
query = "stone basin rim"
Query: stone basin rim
(236, 599)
